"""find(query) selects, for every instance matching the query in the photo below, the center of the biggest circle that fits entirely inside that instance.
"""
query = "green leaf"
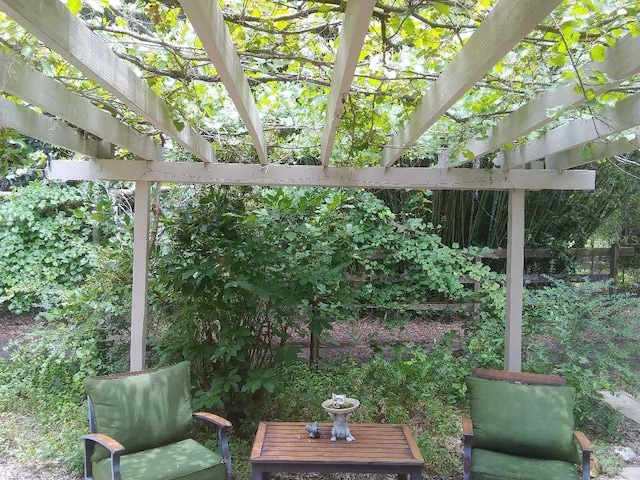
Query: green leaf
(179, 124)
(442, 8)
(74, 6)
(558, 60)
(597, 53)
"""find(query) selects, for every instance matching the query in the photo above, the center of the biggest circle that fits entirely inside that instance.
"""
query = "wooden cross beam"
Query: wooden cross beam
(37, 89)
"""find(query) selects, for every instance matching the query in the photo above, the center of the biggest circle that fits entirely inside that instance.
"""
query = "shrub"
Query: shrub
(581, 331)
(46, 244)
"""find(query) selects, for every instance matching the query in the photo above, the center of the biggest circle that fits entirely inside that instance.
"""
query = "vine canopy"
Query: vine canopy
(493, 84)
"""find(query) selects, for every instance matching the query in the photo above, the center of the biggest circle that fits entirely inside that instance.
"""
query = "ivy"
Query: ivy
(45, 244)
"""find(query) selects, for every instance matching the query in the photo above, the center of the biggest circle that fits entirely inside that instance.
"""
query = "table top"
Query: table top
(375, 444)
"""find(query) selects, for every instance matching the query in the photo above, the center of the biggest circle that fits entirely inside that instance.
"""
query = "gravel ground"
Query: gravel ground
(10, 469)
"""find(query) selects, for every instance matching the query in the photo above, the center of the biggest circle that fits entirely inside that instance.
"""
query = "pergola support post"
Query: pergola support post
(140, 271)
(515, 281)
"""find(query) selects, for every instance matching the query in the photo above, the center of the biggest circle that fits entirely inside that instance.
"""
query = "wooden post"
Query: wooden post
(613, 261)
(515, 278)
(140, 270)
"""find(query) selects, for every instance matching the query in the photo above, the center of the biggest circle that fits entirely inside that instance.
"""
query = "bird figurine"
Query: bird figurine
(313, 429)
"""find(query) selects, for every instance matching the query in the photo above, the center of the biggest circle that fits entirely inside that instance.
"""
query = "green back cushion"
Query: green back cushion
(525, 420)
(142, 411)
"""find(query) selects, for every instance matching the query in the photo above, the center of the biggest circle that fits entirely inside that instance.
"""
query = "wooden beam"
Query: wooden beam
(315, 175)
(354, 30)
(206, 18)
(515, 281)
(582, 155)
(617, 119)
(138, 346)
(28, 122)
(60, 30)
(54, 98)
(620, 63)
(508, 22)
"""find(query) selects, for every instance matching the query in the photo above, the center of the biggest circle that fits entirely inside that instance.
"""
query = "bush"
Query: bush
(412, 388)
(581, 331)
(46, 234)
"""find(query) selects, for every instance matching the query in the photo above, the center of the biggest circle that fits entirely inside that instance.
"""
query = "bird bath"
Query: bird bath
(340, 408)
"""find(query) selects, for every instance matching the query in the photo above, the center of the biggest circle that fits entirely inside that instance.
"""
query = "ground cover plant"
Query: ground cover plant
(418, 386)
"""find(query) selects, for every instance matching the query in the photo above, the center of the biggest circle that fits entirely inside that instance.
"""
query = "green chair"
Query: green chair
(522, 427)
(141, 425)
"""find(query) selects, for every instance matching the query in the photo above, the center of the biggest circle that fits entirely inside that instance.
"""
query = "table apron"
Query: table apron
(337, 468)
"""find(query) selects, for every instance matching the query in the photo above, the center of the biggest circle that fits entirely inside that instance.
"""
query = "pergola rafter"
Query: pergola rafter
(584, 154)
(65, 33)
(207, 20)
(625, 115)
(49, 130)
(620, 63)
(37, 89)
(507, 24)
(356, 23)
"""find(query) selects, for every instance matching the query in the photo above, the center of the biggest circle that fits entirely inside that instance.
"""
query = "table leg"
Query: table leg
(417, 475)
(259, 474)
(402, 476)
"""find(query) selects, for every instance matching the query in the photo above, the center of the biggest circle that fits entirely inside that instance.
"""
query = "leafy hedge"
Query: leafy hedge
(45, 244)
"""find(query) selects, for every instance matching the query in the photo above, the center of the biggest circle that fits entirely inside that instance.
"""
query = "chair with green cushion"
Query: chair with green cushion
(522, 427)
(141, 425)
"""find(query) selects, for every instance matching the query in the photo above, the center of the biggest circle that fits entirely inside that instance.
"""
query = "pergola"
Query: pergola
(42, 107)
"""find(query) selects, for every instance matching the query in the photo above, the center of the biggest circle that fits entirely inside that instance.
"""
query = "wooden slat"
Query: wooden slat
(523, 377)
(354, 29)
(307, 175)
(575, 157)
(45, 129)
(206, 18)
(620, 63)
(38, 89)
(623, 116)
(61, 31)
(508, 23)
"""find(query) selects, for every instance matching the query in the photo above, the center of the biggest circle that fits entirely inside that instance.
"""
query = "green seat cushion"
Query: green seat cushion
(186, 460)
(488, 465)
(524, 420)
(142, 411)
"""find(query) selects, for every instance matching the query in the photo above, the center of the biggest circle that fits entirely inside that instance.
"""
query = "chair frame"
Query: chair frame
(116, 449)
(526, 378)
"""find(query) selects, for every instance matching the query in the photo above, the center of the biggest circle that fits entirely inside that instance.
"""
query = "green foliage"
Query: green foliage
(582, 331)
(244, 268)
(43, 381)
(45, 244)
(422, 389)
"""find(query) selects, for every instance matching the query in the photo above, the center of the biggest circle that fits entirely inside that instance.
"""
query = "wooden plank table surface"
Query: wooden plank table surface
(378, 448)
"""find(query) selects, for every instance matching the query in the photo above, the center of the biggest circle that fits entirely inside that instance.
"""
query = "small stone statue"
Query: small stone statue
(313, 429)
(341, 427)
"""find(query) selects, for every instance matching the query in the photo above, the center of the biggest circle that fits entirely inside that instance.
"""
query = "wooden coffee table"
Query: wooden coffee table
(286, 447)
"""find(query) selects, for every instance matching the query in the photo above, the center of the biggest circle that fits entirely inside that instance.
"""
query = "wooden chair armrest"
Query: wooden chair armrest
(585, 446)
(106, 441)
(115, 449)
(583, 441)
(467, 427)
(467, 436)
(212, 418)
(223, 424)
